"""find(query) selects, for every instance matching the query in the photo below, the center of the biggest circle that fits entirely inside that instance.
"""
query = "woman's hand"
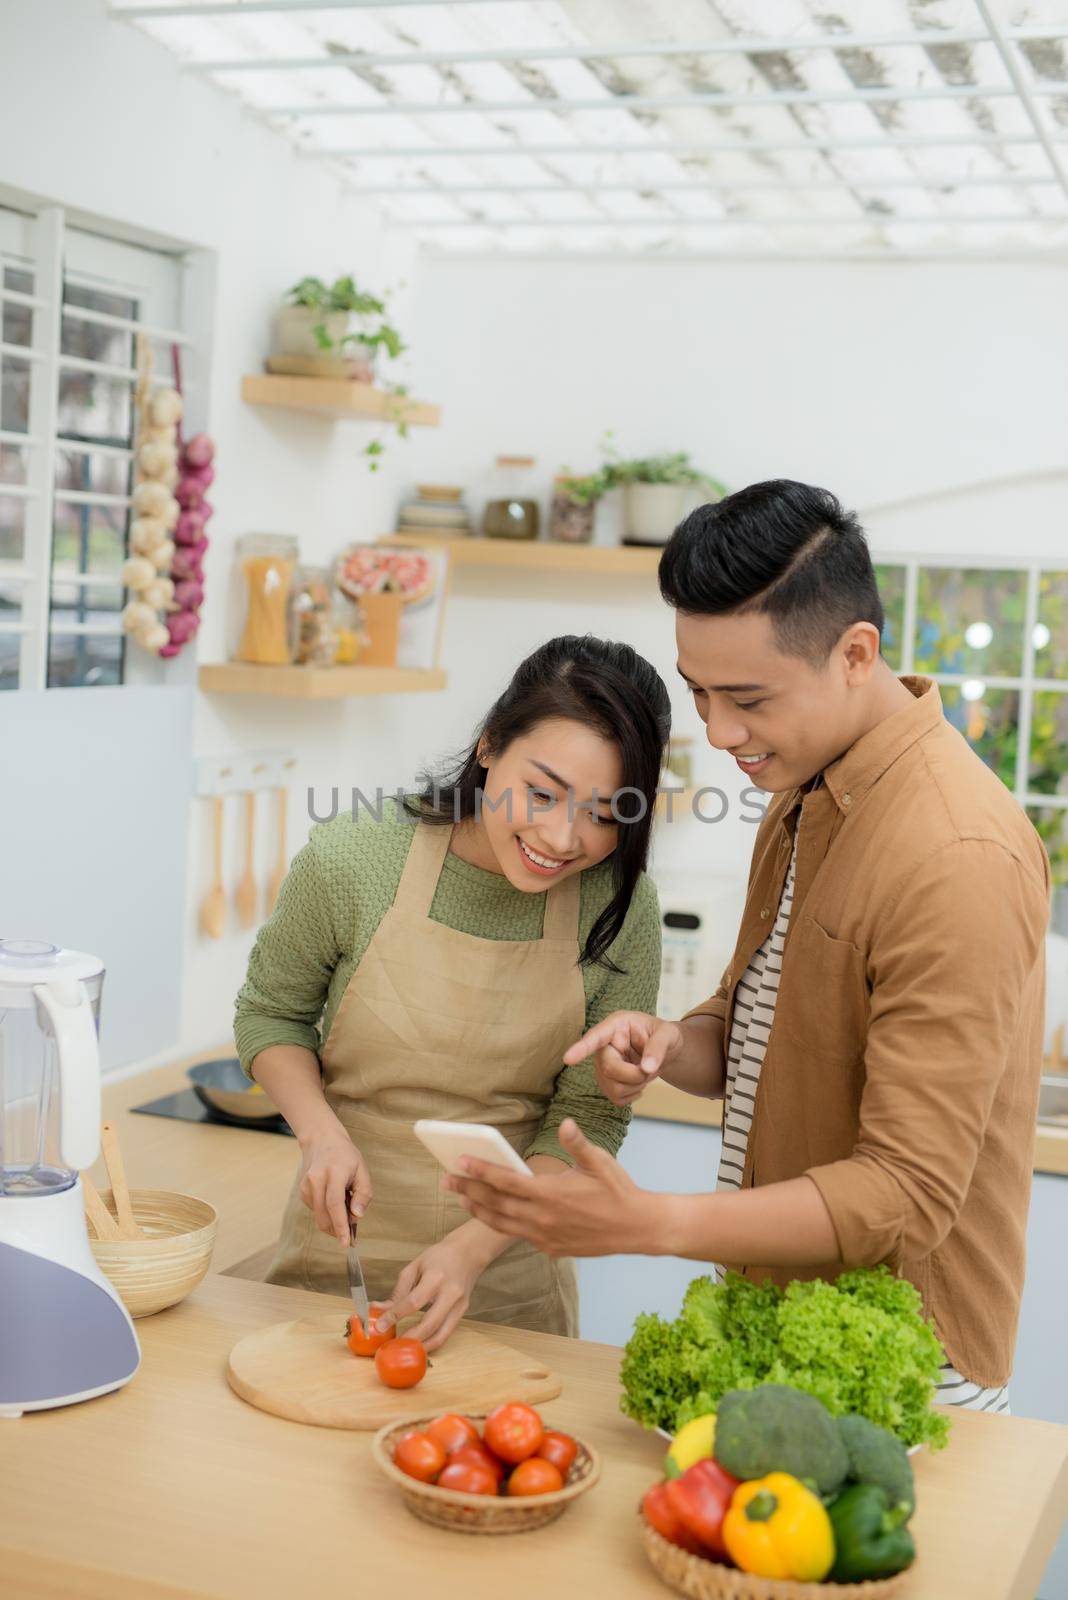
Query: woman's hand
(629, 1049)
(332, 1170)
(439, 1283)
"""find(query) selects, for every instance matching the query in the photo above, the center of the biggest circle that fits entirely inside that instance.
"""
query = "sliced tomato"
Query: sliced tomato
(363, 1341)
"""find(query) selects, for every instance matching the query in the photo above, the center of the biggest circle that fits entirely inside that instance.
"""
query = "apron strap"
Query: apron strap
(561, 920)
(422, 869)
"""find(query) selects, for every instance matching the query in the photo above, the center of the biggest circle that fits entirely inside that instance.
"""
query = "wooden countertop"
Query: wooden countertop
(173, 1488)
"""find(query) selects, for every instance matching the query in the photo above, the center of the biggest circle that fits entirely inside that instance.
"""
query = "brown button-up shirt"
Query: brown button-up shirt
(902, 1071)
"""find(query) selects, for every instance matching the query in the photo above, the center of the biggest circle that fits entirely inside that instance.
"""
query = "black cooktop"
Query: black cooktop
(185, 1107)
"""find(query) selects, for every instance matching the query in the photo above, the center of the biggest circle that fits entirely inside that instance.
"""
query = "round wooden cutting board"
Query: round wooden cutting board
(305, 1371)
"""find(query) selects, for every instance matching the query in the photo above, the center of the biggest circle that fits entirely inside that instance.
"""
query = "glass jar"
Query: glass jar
(570, 520)
(265, 566)
(511, 512)
(313, 633)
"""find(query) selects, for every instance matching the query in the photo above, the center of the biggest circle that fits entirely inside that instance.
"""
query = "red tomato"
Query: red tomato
(478, 1454)
(658, 1513)
(560, 1449)
(469, 1477)
(453, 1432)
(535, 1476)
(401, 1364)
(419, 1456)
(362, 1343)
(513, 1432)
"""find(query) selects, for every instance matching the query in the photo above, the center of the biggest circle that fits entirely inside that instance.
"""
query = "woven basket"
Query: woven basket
(480, 1513)
(709, 1580)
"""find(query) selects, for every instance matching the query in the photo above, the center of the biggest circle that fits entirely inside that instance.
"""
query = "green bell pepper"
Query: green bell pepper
(870, 1538)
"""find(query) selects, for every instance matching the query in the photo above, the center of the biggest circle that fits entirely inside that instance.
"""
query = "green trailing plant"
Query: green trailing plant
(673, 468)
(376, 334)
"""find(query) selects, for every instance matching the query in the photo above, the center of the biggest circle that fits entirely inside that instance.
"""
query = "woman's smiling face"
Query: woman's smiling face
(546, 811)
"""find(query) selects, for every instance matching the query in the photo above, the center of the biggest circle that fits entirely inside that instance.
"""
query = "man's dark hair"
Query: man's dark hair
(783, 548)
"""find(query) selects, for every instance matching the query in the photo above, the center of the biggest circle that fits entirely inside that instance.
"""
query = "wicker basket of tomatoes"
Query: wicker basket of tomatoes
(501, 1473)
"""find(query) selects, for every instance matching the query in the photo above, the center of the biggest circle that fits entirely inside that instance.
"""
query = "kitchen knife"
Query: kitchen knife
(356, 1283)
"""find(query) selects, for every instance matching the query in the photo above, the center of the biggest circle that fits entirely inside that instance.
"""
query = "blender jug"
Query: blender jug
(49, 1001)
(64, 1333)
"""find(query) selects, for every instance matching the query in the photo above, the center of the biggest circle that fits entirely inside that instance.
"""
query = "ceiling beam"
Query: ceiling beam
(1025, 92)
(711, 186)
(623, 51)
(641, 102)
(862, 220)
(536, 152)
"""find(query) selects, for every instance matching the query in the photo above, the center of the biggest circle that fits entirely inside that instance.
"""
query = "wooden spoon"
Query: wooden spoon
(120, 1193)
(274, 884)
(104, 1224)
(213, 910)
(245, 896)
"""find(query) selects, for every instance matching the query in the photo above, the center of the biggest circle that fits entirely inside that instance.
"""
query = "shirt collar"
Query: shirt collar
(850, 777)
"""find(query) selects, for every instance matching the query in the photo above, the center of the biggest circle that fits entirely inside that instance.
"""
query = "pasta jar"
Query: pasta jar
(313, 632)
(266, 563)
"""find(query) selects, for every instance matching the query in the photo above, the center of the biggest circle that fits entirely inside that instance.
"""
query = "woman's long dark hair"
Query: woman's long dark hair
(605, 686)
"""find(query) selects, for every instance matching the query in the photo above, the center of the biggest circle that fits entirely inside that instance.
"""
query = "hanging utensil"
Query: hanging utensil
(245, 896)
(213, 910)
(274, 883)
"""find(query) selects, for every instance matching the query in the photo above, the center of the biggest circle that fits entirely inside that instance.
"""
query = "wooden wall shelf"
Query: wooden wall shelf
(316, 683)
(337, 397)
(537, 555)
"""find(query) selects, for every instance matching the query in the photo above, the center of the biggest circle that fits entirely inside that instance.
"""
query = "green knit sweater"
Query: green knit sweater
(339, 888)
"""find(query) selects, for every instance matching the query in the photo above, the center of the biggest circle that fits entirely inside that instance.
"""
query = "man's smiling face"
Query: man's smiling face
(782, 718)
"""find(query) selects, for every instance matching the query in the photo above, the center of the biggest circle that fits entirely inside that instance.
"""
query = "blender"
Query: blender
(64, 1333)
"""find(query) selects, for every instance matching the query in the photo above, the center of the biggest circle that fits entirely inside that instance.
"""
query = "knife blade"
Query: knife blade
(356, 1284)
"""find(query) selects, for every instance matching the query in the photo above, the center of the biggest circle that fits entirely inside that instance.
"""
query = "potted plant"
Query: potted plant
(574, 506)
(339, 328)
(657, 492)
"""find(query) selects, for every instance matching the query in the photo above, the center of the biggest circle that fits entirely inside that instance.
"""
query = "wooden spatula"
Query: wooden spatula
(104, 1224)
(245, 896)
(274, 883)
(213, 910)
(120, 1193)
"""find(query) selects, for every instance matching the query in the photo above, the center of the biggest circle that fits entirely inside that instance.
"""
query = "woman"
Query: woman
(453, 950)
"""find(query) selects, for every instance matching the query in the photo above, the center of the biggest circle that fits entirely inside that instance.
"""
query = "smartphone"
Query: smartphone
(449, 1141)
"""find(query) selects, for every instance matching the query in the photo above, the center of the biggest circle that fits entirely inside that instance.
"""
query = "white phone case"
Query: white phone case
(449, 1141)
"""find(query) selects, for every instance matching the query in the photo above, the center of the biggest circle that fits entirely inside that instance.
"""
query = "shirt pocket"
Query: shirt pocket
(823, 1002)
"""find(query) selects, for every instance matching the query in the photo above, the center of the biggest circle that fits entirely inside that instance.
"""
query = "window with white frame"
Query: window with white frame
(72, 304)
(994, 636)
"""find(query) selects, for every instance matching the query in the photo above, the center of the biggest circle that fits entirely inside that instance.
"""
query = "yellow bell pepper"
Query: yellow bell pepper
(776, 1528)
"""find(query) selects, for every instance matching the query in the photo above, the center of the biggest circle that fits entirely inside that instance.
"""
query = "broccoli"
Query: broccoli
(876, 1456)
(778, 1429)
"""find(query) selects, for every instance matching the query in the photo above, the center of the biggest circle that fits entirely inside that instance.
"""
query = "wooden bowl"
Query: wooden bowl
(701, 1579)
(481, 1513)
(151, 1274)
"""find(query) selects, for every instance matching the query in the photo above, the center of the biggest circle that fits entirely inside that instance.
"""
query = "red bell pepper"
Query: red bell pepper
(659, 1515)
(701, 1498)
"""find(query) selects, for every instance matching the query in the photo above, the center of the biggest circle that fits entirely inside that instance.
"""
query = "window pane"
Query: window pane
(970, 621)
(1048, 772)
(14, 395)
(12, 526)
(989, 722)
(16, 322)
(100, 474)
(891, 581)
(9, 661)
(1051, 630)
(83, 660)
(92, 342)
(94, 407)
(114, 305)
(1052, 825)
(80, 601)
(88, 539)
(14, 463)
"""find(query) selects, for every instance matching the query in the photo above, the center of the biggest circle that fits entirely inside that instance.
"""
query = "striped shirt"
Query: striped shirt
(754, 1013)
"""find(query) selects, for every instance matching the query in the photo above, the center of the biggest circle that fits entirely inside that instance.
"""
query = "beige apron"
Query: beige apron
(437, 1023)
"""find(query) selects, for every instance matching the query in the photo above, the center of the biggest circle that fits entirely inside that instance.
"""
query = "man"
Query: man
(877, 1039)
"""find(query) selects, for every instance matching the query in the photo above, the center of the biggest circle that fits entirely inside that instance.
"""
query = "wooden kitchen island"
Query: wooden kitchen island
(173, 1487)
